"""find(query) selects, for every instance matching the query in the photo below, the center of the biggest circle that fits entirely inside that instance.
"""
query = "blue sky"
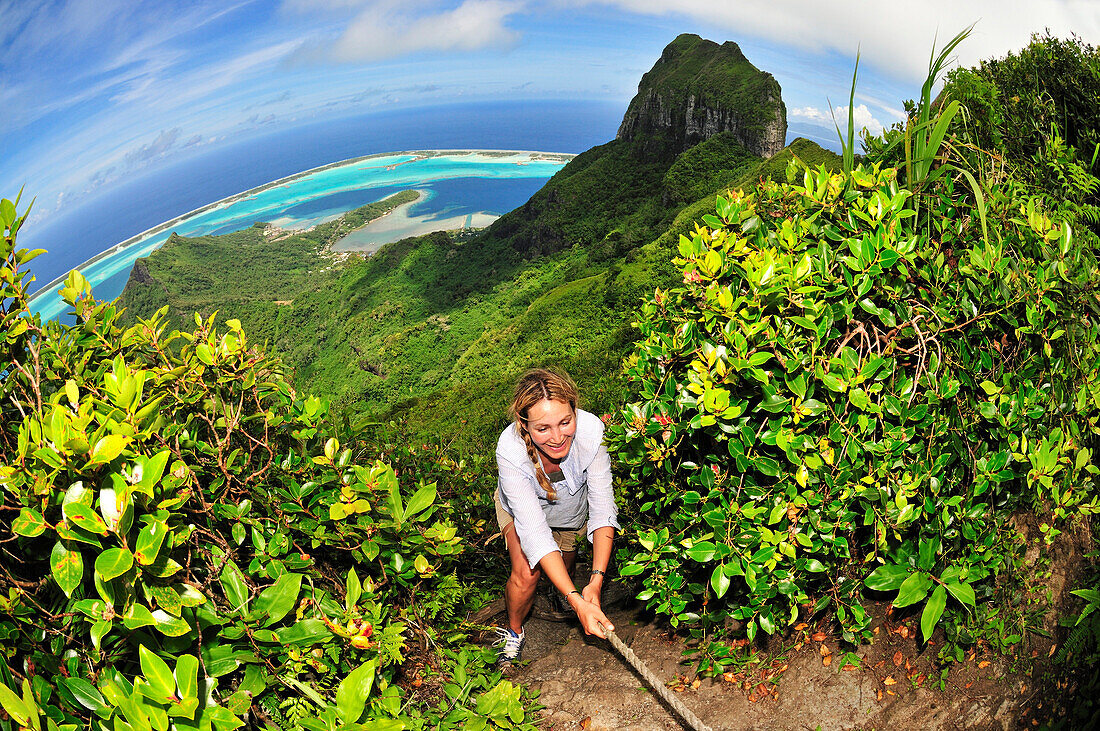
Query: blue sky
(95, 91)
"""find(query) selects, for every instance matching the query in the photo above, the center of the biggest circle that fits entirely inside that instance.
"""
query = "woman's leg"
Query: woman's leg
(519, 592)
(570, 558)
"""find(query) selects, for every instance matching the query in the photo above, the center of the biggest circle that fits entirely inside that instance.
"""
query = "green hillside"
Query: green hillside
(437, 326)
(858, 419)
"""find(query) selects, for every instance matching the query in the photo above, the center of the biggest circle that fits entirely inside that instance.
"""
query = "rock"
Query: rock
(699, 89)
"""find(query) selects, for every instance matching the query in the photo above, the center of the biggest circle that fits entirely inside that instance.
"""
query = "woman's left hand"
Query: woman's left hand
(592, 591)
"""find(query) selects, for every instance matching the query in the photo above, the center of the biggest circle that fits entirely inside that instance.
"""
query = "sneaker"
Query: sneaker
(510, 644)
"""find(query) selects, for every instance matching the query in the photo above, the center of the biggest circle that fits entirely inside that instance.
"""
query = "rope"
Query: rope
(654, 682)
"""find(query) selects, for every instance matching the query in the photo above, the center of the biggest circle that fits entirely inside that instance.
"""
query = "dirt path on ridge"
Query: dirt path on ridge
(583, 683)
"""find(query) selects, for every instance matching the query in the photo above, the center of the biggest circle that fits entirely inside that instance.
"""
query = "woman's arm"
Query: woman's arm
(602, 540)
(588, 612)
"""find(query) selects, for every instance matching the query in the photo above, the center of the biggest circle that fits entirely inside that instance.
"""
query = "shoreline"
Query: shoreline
(538, 155)
(397, 220)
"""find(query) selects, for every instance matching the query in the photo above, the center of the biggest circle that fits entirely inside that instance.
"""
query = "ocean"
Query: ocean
(207, 176)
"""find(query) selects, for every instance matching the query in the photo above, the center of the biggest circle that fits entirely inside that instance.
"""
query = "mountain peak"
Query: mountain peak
(699, 89)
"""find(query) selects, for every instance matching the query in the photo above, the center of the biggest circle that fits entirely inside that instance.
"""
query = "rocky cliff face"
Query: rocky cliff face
(699, 89)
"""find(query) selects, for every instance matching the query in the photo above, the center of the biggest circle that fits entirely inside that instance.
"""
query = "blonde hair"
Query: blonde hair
(532, 387)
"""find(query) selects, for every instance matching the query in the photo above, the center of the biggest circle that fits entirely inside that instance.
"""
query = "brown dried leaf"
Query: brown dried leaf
(825, 650)
(586, 723)
(903, 631)
(889, 680)
(1052, 649)
(798, 646)
(880, 694)
(818, 636)
(800, 626)
(983, 664)
(898, 657)
(695, 684)
(875, 631)
(729, 677)
(826, 660)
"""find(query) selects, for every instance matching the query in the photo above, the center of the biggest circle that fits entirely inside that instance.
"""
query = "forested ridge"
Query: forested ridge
(829, 382)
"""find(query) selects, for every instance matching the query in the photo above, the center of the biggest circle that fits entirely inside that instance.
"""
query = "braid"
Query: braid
(540, 475)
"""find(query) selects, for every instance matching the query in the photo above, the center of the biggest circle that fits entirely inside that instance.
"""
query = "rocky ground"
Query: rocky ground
(810, 683)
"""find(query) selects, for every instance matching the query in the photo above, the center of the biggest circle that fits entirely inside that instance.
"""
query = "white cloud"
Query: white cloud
(861, 115)
(385, 30)
(839, 26)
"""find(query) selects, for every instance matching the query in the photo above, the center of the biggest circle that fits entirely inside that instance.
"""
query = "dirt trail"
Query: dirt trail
(585, 685)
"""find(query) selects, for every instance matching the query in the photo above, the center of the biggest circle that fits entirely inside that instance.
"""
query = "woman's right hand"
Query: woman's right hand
(591, 616)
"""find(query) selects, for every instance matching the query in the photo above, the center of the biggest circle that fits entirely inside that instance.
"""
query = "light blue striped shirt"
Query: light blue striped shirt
(525, 500)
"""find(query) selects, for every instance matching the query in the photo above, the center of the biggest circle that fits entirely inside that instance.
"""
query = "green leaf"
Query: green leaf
(8, 213)
(702, 551)
(167, 598)
(107, 448)
(352, 694)
(766, 465)
(236, 590)
(811, 407)
(420, 500)
(85, 518)
(156, 672)
(85, 694)
(932, 611)
(719, 582)
(354, 589)
(815, 566)
(306, 632)
(149, 541)
(990, 388)
(29, 523)
(886, 578)
(138, 615)
(113, 562)
(963, 592)
(14, 705)
(187, 673)
(67, 567)
(394, 506)
(77, 493)
(150, 469)
(277, 600)
(913, 589)
(205, 353)
(99, 630)
(168, 625)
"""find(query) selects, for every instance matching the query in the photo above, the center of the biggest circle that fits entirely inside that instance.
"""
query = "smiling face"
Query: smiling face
(552, 425)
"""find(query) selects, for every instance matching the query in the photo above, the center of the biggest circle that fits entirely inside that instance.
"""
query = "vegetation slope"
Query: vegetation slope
(438, 326)
(853, 384)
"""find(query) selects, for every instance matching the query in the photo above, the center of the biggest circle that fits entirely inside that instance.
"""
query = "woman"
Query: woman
(554, 478)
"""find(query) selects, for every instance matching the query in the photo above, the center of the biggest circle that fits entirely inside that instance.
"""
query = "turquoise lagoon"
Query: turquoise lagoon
(449, 181)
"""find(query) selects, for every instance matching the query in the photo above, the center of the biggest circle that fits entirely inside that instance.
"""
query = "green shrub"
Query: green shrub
(190, 541)
(838, 402)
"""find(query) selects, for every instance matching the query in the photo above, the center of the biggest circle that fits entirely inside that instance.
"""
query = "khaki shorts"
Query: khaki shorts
(565, 538)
